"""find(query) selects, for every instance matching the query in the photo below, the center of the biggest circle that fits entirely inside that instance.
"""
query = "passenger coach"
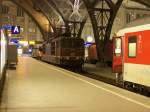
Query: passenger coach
(131, 56)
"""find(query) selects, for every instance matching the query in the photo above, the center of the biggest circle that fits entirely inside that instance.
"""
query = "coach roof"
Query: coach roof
(139, 25)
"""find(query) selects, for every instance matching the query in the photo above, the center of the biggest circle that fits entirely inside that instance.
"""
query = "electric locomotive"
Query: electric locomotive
(65, 51)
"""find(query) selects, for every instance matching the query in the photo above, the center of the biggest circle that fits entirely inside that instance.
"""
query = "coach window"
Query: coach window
(132, 46)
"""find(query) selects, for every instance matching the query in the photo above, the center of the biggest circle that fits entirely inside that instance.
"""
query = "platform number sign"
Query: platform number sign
(15, 29)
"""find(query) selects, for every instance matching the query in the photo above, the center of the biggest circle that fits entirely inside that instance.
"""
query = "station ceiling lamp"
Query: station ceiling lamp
(32, 42)
(89, 38)
(24, 43)
(9, 35)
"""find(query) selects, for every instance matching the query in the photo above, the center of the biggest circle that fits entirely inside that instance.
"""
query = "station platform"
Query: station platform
(35, 86)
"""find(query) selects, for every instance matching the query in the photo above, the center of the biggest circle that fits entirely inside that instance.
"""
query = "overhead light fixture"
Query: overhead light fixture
(32, 42)
(89, 38)
(24, 43)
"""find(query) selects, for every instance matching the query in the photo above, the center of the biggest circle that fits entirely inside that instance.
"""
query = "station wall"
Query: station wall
(14, 15)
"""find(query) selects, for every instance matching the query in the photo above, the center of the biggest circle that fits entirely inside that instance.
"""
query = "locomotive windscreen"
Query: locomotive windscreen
(72, 43)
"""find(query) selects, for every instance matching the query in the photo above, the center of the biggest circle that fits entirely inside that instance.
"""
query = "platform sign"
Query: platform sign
(15, 29)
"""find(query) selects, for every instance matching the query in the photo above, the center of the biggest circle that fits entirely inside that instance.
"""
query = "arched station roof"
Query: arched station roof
(51, 13)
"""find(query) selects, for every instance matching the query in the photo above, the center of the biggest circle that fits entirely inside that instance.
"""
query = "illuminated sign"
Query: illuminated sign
(32, 42)
(15, 29)
(87, 44)
(8, 27)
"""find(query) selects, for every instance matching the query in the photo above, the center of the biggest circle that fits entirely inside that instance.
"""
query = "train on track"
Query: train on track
(131, 56)
(65, 51)
(92, 53)
(63, 48)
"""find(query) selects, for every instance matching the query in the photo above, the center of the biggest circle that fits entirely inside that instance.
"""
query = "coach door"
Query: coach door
(117, 55)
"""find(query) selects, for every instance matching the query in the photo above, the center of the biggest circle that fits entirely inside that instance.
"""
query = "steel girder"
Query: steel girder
(102, 18)
(75, 28)
(56, 8)
(45, 10)
(47, 6)
(43, 7)
(72, 26)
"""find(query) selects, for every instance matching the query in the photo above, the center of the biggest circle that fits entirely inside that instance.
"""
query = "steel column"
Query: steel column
(102, 18)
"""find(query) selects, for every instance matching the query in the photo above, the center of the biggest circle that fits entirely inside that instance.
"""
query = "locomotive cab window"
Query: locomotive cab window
(132, 47)
(66, 43)
(78, 44)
